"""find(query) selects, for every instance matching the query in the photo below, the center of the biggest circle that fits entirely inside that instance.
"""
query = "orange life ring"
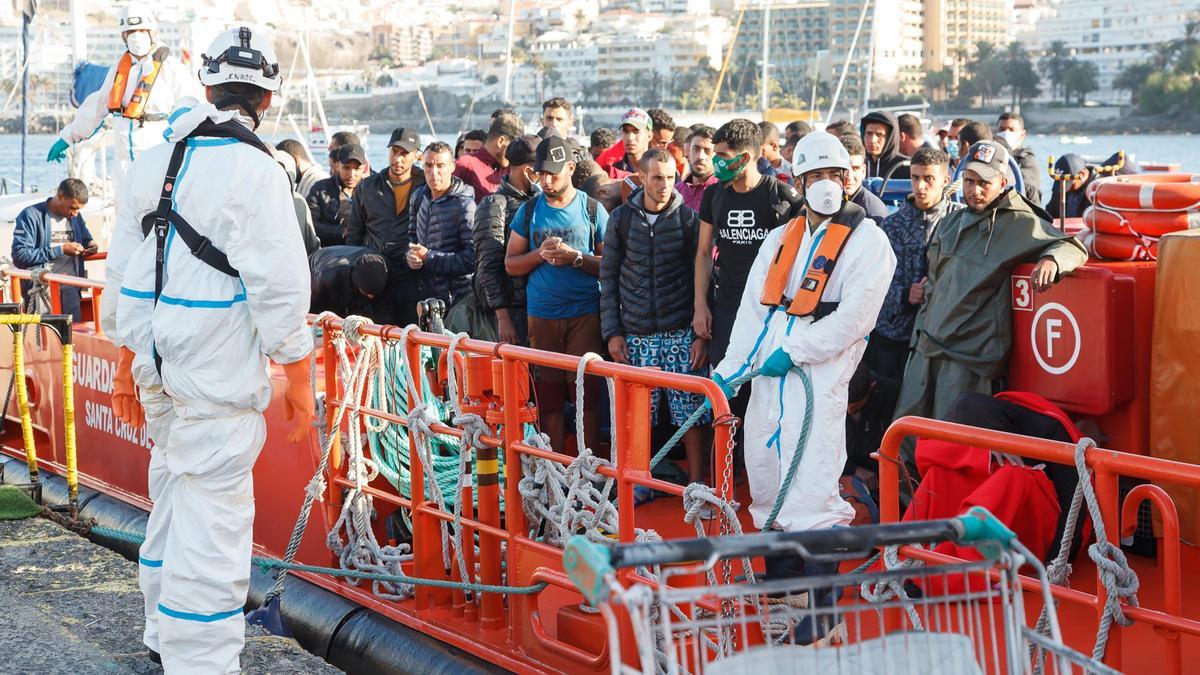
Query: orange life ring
(1128, 223)
(1148, 192)
(1118, 247)
(1159, 167)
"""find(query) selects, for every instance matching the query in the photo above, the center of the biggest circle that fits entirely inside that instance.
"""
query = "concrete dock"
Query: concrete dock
(71, 606)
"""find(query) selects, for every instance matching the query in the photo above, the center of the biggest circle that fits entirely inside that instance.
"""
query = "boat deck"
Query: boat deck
(71, 606)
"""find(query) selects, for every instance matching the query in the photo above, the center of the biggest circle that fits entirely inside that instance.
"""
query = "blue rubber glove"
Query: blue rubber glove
(777, 364)
(57, 151)
(725, 388)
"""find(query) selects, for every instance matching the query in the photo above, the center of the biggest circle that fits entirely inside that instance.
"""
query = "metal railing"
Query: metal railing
(1120, 519)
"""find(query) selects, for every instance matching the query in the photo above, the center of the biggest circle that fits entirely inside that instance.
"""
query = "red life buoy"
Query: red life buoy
(1129, 223)
(1148, 192)
(1121, 247)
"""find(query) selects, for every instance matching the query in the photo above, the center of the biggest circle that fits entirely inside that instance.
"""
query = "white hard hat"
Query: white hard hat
(241, 55)
(819, 150)
(136, 16)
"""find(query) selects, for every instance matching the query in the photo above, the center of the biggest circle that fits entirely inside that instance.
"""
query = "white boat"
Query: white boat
(1074, 140)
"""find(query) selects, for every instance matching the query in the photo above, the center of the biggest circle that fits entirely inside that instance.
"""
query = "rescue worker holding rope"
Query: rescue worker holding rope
(209, 278)
(139, 92)
(812, 297)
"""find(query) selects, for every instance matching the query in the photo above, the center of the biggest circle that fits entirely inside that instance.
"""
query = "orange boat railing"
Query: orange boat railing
(527, 560)
(505, 544)
(1107, 467)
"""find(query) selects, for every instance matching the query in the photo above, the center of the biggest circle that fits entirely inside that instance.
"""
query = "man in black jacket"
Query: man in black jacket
(495, 290)
(329, 198)
(1010, 128)
(881, 137)
(855, 189)
(646, 291)
(345, 279)
(378, 218)
(443, 211)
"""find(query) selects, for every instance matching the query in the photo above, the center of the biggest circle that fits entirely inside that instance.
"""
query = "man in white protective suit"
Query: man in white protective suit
(812, 297)
(140, 91)
(195, 333)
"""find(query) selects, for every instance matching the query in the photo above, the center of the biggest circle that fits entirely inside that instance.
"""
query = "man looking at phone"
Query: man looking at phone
(557, 238)
(53, 234)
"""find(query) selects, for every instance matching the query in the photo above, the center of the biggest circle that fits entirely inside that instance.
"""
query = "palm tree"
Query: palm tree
(938, 84)
(1055, 63)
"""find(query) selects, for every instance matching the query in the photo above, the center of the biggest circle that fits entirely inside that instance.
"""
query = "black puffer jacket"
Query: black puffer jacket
(494, 288)
(647, 271)
(325, 203)
(332, 281)
(371, 218)
(444, 225)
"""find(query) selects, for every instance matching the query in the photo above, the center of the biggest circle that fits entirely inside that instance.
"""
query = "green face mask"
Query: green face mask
(727, 169)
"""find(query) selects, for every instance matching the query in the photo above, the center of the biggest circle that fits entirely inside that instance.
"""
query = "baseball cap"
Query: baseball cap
(1069, 163)
(552, 155)
(989, 159)
(406, 138)
(638, 118)
(522, 150)
(352, 152)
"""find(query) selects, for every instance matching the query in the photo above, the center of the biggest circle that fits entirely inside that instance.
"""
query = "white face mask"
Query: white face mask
(139, 43)
(824, 197)
(1012, 138)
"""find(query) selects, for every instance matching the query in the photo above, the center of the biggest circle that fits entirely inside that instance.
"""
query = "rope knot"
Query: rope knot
(351, 327)
(1119, 580)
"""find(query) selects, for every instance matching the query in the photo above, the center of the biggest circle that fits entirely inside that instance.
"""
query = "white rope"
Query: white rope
(360, 550)
(1117, 577)
(883, 591)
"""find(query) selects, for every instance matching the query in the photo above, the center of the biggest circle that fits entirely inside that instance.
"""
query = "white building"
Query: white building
(1113, 34)
(689, 7)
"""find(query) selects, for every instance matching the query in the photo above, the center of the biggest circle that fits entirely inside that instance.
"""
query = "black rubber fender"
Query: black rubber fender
(313, 614)
(370, 643)
(345, 634)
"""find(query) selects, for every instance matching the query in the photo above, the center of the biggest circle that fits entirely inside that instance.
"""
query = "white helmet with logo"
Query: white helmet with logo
(819, 150)
(241, 55)
(136, 16)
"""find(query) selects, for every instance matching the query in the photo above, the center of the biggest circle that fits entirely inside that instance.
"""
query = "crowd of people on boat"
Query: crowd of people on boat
(639, 246)
(758, 257)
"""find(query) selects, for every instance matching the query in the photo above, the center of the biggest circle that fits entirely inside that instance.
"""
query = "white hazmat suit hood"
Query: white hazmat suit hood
(214, 333)
(829, 351)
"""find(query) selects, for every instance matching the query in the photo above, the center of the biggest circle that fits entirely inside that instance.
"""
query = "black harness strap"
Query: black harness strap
(163, 217)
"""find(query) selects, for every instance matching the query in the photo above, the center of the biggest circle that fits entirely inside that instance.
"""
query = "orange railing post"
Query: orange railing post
(1168, 554)
(97, 298)
(55, 297)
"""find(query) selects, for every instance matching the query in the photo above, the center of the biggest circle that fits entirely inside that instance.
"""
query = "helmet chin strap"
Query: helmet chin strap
(242, 103)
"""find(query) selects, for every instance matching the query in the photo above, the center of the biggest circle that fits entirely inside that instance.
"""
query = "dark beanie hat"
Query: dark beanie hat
(370, 274)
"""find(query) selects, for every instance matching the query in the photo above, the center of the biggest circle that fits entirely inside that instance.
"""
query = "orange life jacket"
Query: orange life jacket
(807, 301)
(141, 93)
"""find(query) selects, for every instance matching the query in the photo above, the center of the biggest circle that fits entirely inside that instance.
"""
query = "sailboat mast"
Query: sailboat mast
(508, 60)
(870, 59)
(766, 55)
(846, 65)
(26, 16)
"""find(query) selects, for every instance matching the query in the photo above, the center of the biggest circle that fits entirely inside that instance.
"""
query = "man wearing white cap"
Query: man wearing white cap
(210, 282)
(139, 92)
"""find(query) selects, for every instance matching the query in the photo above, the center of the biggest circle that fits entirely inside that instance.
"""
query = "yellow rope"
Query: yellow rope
(23, 403)
(69, 423)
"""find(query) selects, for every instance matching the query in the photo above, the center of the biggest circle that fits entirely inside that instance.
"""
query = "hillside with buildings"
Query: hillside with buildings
(369, 57)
